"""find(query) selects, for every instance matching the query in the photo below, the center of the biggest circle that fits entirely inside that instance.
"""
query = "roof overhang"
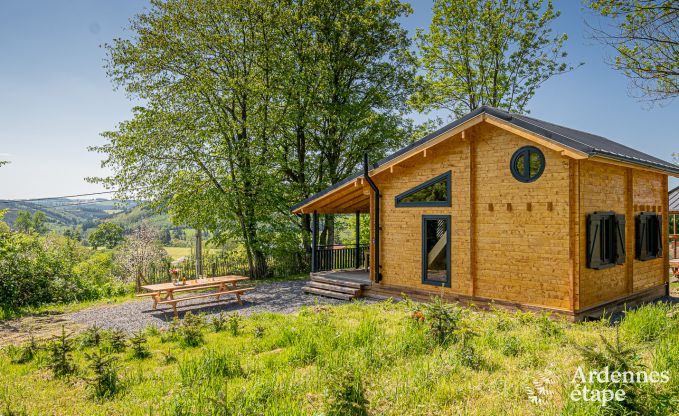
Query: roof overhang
(353, 195)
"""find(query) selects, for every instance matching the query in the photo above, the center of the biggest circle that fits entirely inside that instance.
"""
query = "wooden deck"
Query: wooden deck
(339, 284)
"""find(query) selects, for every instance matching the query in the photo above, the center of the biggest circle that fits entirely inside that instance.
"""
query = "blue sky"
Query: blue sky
(55, 97)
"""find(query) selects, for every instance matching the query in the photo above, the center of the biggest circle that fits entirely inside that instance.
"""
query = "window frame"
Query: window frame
(643, 223)
(423, 250)
(447, 203)
(519, 176)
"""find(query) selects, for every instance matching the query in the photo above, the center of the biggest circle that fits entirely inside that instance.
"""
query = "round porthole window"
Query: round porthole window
(527, 164)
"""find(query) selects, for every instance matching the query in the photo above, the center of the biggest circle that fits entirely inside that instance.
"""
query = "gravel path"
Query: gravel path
(284, 297)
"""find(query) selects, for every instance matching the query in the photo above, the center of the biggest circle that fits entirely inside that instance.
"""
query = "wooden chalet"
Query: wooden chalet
(503, 208)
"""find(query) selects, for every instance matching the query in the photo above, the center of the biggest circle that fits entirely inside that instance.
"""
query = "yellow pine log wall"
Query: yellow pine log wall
(517, 247)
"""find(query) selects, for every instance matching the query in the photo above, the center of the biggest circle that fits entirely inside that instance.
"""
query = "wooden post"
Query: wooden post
(314, 242)
(358, 238)
(199, 253)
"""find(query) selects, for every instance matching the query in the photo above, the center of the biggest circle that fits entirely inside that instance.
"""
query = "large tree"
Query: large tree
(487, 52)
(107, 234)
(251, 106)
(200, 146)
(345, 83)
(645, 37)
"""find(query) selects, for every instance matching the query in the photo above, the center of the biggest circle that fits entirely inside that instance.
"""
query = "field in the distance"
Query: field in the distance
(178, 252)
(378, 359)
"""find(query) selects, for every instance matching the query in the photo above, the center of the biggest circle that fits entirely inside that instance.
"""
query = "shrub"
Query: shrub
(345, 394)
(169, 357)
(235, 320)
(258, 331)
(547, 327)
(443, 319)
(105, 383)
(139, 348)
(512, 347)
(219, 322)
(23, 354)
(191, 330)
(60, 360)
(640, 398)
(116, 340)
(53, 269)
(469, 357)
(91, 337)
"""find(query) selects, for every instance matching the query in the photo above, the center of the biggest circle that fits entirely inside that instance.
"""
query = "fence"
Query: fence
(674, 246)
(278, 266)
(336, 257)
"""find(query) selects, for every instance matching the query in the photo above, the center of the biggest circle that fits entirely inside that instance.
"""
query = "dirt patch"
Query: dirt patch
(43, 326)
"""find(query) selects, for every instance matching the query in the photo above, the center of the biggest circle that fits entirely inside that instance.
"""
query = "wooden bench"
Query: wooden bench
(173, 302)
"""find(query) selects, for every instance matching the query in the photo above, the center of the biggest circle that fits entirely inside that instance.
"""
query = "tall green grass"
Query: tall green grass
(354, 359)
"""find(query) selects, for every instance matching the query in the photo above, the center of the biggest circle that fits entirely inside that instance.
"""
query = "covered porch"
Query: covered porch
(342, 270)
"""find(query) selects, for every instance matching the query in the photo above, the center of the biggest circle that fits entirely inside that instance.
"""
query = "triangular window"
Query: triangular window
(433, 193)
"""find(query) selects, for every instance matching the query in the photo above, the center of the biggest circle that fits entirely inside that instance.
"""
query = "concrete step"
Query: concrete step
(328, 293)
(334, 288)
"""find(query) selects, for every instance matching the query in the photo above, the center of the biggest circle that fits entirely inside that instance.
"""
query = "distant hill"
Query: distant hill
(131, 218)
(69, 214)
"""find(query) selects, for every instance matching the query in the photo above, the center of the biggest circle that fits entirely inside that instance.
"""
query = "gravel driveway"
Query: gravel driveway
(284, 297)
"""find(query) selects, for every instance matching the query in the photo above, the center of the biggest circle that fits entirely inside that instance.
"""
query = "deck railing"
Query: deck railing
(674, 246)
(337, 257)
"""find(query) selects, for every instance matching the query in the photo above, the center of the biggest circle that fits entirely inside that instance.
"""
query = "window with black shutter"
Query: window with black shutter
(605, 240)
(648, 236)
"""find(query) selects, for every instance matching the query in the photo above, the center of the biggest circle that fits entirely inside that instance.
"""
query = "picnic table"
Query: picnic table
(163, 293)
(674, 265)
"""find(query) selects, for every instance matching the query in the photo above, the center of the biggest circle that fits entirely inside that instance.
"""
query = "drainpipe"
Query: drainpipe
(376, 191)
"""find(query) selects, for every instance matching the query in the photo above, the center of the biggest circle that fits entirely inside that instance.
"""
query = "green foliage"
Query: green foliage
(117, 340)
(276, 92)
(191, 330)
(646, 41)
(209, 365)
(640, 398)
(443, 319)
(24, 353)
(26, 223)
(361, 359)
(219, 322)
(105, 383)
(60, 355)
(234, 323)
(107, 234)
(487, 52)
(647, 324)
(91, 337)
(512, 346)
(345, 394)
(139, 345)
(53, 269)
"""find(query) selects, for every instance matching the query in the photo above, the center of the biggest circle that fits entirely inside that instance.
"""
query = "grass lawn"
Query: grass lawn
(355, 359)
(177, 252)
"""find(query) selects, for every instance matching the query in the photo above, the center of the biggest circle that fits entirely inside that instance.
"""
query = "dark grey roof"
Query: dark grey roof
(674, 199)
(581, 141)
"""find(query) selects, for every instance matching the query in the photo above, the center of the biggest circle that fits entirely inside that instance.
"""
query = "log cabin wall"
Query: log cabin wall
(512, 244)
(624, 190)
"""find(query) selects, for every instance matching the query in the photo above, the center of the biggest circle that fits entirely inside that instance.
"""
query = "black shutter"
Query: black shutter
(620, 239)
(658, 224)
(641, 236)
(593, 241)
